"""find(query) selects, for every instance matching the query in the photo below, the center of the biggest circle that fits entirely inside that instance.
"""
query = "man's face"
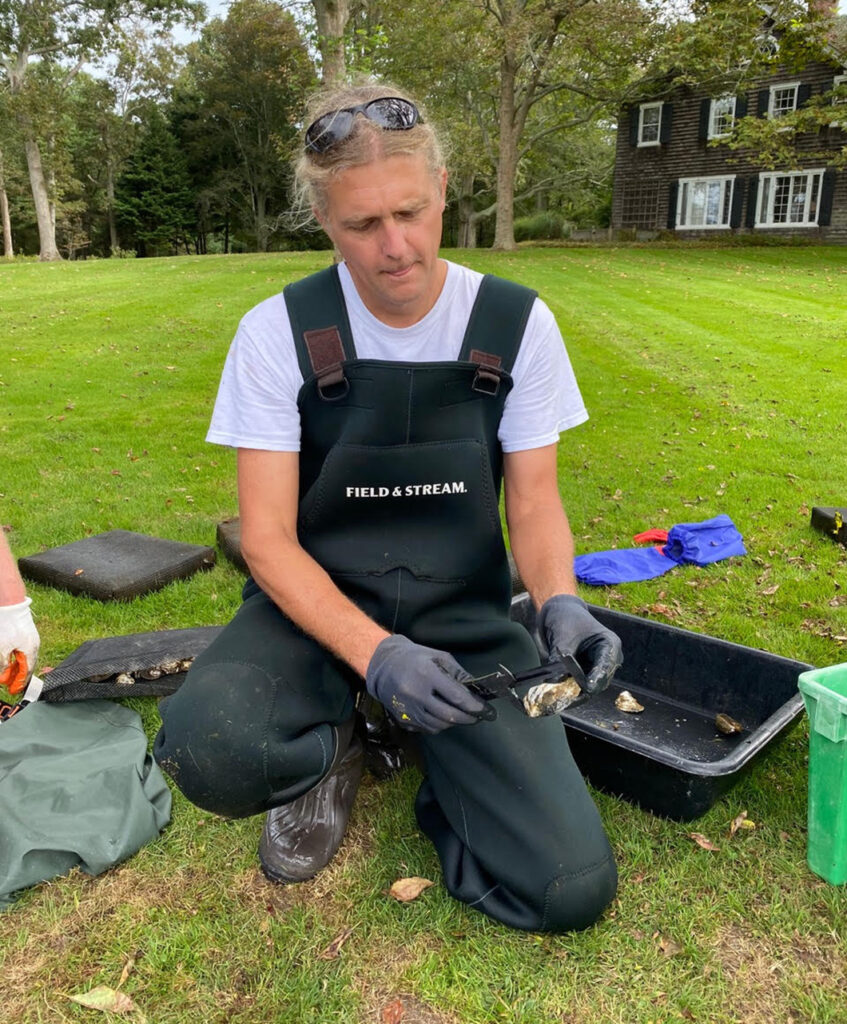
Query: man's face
(385, 219)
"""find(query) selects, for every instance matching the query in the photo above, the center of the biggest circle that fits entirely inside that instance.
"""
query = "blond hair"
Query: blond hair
(365, 143)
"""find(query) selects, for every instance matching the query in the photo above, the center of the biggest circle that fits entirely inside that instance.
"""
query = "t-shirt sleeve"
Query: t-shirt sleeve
(256, 405)
(545, 399)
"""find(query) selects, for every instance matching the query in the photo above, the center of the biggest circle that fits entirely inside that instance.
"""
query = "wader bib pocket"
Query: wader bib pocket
(430, 508)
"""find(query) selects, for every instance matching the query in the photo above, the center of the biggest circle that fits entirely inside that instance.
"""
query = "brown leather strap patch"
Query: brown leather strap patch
(487, 377)
(325, 348)
(485, 358)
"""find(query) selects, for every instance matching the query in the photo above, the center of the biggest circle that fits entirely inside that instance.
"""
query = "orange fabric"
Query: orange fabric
(14, 675)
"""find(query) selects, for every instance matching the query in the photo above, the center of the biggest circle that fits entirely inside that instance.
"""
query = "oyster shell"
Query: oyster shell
(727, 725)
(124, 679)
(626, 702)
(551, 698)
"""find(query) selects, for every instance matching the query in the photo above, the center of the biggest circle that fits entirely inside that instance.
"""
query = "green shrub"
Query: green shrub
(544, 225)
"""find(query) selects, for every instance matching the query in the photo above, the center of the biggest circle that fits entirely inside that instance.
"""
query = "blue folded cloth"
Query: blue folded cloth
(688, 543)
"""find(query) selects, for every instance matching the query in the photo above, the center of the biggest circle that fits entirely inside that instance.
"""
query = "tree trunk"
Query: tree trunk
(331, 16)
(114, 240)
(260, 208)
(41, 199)
(507, 159)
(8, 248)
(467, 225)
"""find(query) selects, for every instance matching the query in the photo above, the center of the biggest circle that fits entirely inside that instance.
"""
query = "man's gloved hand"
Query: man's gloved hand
(568, 627)
(19, 643)
(422, 688)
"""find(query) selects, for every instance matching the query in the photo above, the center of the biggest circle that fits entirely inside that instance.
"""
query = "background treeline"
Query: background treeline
(116, 140)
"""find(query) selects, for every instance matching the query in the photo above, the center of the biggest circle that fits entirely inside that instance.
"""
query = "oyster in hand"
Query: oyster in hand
(551, 698)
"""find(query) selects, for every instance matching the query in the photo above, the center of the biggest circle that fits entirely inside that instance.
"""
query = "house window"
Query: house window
(640, 208)
(721, 117)
(649, 124)
(787, 200)
(704, 202)
(783, 99)
(840, 81)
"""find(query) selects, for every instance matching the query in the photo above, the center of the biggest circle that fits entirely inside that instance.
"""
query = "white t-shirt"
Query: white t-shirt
(256, 405)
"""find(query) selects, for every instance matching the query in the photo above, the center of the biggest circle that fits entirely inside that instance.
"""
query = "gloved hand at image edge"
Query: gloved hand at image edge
(569, 628)
(422, 688)
(19, 643)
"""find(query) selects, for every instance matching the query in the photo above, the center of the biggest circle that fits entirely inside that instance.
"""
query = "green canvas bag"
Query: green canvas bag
(77, 788)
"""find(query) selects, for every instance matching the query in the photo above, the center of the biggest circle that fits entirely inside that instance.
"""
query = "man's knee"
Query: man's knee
(576, 900)
(204, 747)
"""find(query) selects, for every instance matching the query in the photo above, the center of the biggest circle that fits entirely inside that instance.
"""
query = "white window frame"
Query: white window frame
(686, 197)
(767, 195)
(713, 133)
(839, 80)
(656, 105)
(780, 87)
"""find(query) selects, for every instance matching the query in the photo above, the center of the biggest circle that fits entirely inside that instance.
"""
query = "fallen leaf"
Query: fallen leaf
(104, 998)
(769, 591)
(741, 821)
(702, 841)
(407, 889)
(392, 1013)
(669, 947)
(125, 973)
(333, 950)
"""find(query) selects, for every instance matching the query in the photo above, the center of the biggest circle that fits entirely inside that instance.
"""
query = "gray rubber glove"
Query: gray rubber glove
(568, 627)
(421, 687)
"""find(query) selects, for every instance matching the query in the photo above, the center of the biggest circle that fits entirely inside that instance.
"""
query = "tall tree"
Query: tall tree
(249, 75)
(58, 37)
(153, 198)
(8, 247)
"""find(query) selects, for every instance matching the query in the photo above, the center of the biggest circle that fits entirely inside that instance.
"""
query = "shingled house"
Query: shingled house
(669, 175)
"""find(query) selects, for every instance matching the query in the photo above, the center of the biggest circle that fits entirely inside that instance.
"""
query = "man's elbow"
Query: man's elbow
(260, 545)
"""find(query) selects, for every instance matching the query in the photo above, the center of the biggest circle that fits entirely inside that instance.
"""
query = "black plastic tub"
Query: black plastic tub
(671, 759)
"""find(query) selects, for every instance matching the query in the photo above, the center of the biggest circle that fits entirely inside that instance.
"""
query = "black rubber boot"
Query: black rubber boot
(300, 838)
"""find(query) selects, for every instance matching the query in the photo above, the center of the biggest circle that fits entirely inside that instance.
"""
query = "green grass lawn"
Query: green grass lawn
(716, 381)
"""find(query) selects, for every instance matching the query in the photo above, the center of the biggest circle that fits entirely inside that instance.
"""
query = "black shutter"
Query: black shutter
(752, 197)
(804, 91)
(673, 192)
(737, 203)
(825, 207)
(665, 129)
(705, 109)
(764, 100)
(633, 125)
(741, 105)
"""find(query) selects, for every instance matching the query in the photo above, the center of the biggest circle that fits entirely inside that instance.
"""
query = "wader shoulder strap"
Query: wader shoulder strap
(321, 329)
(495, 330)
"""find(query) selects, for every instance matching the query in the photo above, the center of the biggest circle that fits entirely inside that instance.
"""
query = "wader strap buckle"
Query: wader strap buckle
(489, 372)
(326, 353)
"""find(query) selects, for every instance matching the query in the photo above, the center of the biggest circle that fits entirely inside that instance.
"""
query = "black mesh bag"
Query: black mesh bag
(136, 665)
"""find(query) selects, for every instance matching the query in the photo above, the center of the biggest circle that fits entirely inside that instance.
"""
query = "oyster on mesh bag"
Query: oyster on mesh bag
(551, 698)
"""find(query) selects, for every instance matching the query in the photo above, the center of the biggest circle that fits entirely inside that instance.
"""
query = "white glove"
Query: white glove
(19, 643)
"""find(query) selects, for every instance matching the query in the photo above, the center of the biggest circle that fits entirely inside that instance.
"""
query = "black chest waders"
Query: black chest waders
(400, 476)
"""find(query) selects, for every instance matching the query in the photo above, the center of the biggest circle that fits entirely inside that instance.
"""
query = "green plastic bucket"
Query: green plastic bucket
(825, 694)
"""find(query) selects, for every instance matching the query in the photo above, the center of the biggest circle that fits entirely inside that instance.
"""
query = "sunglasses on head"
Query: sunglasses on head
(388, 112)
